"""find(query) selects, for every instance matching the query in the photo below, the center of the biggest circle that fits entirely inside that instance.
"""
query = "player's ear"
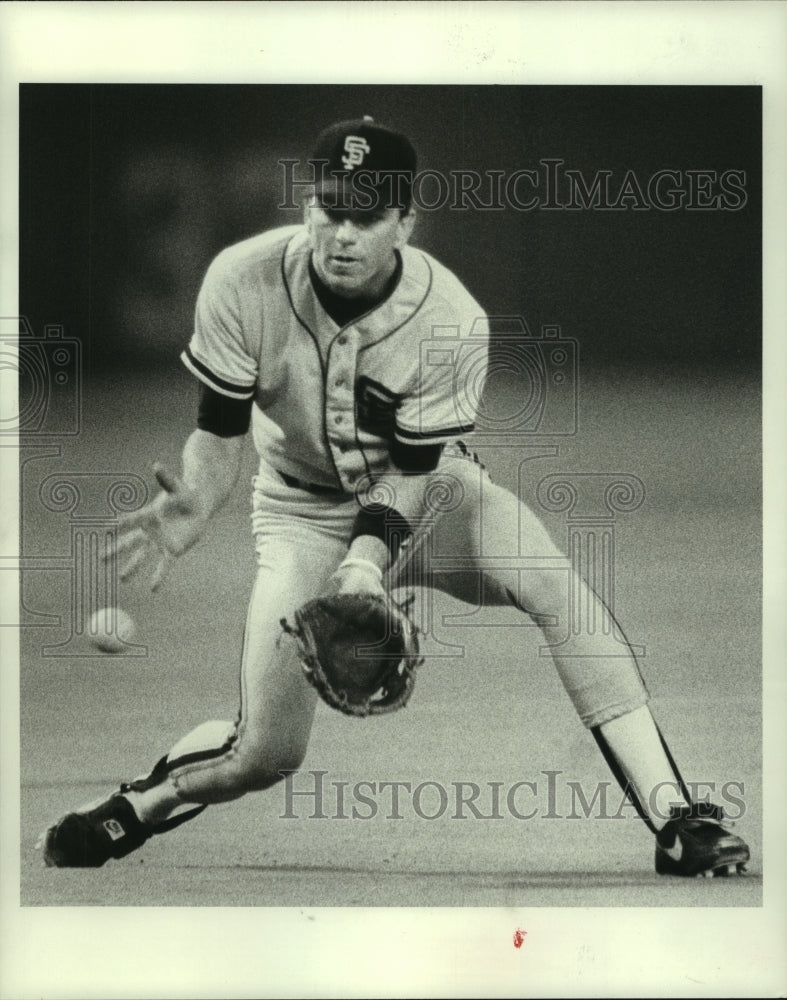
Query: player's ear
(406, 223)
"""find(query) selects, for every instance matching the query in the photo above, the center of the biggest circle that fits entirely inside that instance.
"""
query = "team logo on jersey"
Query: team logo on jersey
(356, 147)
(376, 407)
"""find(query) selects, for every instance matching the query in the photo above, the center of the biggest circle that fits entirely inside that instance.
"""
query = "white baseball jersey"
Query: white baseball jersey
(329, 398)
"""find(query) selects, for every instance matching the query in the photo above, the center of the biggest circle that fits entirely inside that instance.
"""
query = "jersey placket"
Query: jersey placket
(340, 404)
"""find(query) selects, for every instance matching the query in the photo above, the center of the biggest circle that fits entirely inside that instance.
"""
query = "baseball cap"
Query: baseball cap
(363, 165)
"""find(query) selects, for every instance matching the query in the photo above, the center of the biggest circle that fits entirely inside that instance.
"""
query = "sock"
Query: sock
(643, 760)
(156, 804)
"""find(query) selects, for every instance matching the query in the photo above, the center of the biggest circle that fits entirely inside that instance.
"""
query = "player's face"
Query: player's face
(353, 251)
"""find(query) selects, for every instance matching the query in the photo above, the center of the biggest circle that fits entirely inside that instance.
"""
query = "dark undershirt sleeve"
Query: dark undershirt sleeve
(415, 458)
(387, 523)
(221, 415)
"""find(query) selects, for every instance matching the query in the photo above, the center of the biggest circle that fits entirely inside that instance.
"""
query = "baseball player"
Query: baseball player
(316, 337)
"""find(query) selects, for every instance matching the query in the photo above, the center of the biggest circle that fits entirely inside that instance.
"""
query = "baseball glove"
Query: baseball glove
(360, 651)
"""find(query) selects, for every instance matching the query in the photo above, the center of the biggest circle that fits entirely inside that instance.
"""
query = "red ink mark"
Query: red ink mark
(519, 937)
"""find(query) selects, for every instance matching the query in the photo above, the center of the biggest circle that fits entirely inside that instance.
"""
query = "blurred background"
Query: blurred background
(127, 192)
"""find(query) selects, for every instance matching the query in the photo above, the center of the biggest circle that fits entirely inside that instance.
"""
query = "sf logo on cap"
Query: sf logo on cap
(356, 147)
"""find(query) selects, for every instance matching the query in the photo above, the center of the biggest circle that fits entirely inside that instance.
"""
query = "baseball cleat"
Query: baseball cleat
(90, 837)
(693, 843)
(108, 828)
(725, 871)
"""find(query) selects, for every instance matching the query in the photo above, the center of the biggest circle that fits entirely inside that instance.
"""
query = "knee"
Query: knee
(544, 591)
(258, 772)
(245, 765)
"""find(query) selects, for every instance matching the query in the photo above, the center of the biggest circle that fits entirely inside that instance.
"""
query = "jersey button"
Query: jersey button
(342, 340)
(340, 382)
(338, 418)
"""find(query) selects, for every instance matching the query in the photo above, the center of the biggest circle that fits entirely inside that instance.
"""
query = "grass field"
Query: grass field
(687, 588)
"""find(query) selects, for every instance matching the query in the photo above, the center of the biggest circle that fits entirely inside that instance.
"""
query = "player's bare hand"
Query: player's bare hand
(160, 531)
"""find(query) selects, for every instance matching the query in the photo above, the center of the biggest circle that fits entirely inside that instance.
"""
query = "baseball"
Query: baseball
(110, 629)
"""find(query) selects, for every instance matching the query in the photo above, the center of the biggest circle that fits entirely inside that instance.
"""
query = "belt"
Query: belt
(300, 484)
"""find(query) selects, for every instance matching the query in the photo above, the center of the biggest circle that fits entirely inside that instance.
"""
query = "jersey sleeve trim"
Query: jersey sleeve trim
(444, 434)
(204, 374)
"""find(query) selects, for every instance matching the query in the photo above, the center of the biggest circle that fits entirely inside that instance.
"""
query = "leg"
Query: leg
(218, 762)
(221, 761)
(493, 548)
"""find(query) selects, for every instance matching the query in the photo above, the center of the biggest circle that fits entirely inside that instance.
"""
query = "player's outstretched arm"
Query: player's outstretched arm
(174, 520)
